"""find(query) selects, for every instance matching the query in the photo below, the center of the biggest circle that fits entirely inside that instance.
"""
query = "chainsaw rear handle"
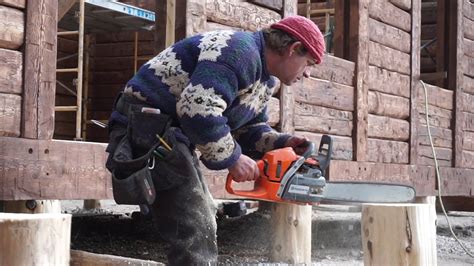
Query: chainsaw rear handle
(258, 191)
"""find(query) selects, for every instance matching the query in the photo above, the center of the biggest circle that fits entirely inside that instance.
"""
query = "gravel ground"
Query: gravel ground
(120, 230)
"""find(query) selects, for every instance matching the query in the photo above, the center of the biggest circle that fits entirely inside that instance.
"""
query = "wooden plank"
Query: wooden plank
(359, 53)
(468, 28)
(40, 70)
(10, 115)
(12, 25)
(335, 69)
(289, 8)
(468, 65)
(468, 10)
(456, 181)
(325, 93)
(170, 22)
(416, 17)
(389, 82)
(403, 4)
(387, 151)
(240, 14)
(276, 5)
(287, 109)
(83, 258)
(388, 105)
(468, 83)
(196, 17)
(390, 14)
(389, 36)
(322, 120)
(437, 96)
(383, 127)
(455, 76)
(443, 155)
(441, 137)
(13, 3)
(342, 146)
(53, 169)
(468, 47)
(468, 121)
(388, 58)
(11, 71)
(438, 117)
(370, 172)
(468, 159)
(273, 111)
(468, 143)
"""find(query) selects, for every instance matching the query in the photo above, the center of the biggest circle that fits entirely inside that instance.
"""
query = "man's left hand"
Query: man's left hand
(299, 144)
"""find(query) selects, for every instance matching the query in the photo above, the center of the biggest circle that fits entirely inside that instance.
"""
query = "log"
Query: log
(468, 84)
(443, 155)
(83, 258)
(325, 93)
(387, 151)
(468, 10)
(13, 3)
(468, 159)
(398, 234)
(468, 121)
(40, 70)
(212, 26)
(276, 5)
(11, 70)
(388, 58)
(414, 78)
(390, 14)
(35, 239)
(468, 46)
(388, 105)
(342, 146)
(390, 36)
(12, 23)
(10, 115)
(403, 4)
(441, 137)
(291, 239)
(389, 82)
(240, 14)
(273, 111)
(196, 17)
(437, 96)
(468, 143)
(383, 127)
(335, 69)
(322, 120)
(438, 117)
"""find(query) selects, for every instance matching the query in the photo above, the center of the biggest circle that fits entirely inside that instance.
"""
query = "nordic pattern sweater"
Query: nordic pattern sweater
(216, 86)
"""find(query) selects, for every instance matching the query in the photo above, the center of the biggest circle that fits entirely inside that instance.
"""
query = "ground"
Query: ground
(122, 231)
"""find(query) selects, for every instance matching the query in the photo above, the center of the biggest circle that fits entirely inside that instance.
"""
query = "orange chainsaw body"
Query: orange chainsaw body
(273, 167)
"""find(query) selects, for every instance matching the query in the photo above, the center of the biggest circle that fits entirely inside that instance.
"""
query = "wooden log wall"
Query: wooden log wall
(389, 69)
(12, 30)
(467, 81)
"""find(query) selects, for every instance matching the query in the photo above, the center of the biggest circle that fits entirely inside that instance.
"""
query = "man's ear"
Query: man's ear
(293, 48)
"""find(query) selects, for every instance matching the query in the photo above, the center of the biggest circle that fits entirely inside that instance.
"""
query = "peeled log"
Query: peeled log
(35, 239)
(398, 234)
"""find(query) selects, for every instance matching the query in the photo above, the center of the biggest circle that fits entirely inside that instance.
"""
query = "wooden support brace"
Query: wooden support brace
(35, 239)
(398, 234)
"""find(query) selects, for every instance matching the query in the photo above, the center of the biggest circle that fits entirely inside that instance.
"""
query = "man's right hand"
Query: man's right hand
(245, 169)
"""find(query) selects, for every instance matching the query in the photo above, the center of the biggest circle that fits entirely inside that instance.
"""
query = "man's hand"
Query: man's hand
(245, 169)
(299, 144)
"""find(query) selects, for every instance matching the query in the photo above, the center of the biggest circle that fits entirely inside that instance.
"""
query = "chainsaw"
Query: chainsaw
(288, 177)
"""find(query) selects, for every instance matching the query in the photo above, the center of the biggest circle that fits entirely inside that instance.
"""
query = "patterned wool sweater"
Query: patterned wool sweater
(216, 86)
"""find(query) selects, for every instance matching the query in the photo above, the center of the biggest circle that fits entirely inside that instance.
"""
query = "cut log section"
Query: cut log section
(399, 234)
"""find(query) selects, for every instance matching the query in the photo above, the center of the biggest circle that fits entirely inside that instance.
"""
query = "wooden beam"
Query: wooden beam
(11, 71)
(360, 55)
(335, 69)
(388, 13)
(389, 82)
(40, 70)
(319, 119)
(10, 115)
(414, 79)
(403, 4)
(387, 151)
(389, 58)
(170, 22)
(411, 229)
(12, 23)
(389, 36)
(437, 96)
(276, 5)
(389, 105)
(341, 28)
(196, 16)
(383, 127)
(342, 147)
(13, 3)
(35, 239)
(456, 78)
(325, 93)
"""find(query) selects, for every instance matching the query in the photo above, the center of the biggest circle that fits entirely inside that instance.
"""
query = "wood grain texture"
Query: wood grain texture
(455, 80)
(325, 93)
(416, 16)
(438, 117)
(287, 109)
(387, 12)
(389, 58)
(437, 96)
(13, 3)
(468, 121)
(442, 137)
(273, 111)
(443, 155)
(383, 127)
(10, 115)
(389, 36)
(40, 70)
(195, 17)
(388, 105)
(12, 27)
(11, 70)
(276, 5)
(335, 69)
(468, 47)
(342, 146)
(322, 120)
(403, 4)
(468, 29)
(240, 14)
(387, 151)
(468, 143)
(468, 10)
(389, 82)
(468, 84)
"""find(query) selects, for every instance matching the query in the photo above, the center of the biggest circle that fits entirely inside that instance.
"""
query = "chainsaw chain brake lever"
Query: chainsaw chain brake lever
(324, 152)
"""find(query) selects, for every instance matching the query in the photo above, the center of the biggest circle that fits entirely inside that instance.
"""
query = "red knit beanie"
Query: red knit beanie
(306, 32)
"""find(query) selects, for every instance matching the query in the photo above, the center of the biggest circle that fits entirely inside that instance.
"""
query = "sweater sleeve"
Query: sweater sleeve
(212, 88)
(257, 137)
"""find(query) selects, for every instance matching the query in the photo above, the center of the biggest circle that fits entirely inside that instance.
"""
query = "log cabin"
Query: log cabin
(55, 89)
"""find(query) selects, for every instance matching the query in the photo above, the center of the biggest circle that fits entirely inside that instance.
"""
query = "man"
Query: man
(215, 88)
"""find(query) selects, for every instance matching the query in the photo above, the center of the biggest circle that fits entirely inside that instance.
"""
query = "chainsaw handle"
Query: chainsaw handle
(257, 191)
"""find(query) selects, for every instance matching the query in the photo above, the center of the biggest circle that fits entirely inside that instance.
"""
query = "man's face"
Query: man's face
(294, 66)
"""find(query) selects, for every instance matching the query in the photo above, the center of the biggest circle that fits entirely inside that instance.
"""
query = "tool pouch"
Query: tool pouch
(132, 159)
